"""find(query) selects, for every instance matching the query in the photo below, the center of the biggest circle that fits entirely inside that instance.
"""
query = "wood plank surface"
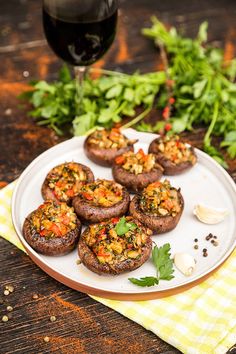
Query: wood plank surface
(82, 325)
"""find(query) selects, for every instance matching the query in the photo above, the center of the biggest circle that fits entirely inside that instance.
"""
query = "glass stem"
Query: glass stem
(80, 72)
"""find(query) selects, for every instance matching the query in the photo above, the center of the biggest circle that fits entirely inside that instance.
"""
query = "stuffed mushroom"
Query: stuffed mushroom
(173, 155)
(53, 229)
(102, 146)
(64, 181)
(159, 207)
(115, 246)
(101, 200)
(136, 170)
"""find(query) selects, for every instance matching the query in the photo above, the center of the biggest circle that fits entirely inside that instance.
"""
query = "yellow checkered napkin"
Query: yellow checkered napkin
(201, 320)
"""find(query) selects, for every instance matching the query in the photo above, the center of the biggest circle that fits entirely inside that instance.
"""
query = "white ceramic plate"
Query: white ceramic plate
(206, 182)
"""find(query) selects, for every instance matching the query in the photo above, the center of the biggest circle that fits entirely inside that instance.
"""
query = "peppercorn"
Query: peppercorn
(205, 254)
(4, 318)
(195, 240)
(46, 339)
(9, 308)
(195, 247)
(204, 250)
(35, 296)
(6, 292)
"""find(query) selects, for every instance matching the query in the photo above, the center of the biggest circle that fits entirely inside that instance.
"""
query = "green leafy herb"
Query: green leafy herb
(107, 100)
(163, 263)
(196, 88)
(230, 142)
(146, 281)
(123, 226)
(202, 85)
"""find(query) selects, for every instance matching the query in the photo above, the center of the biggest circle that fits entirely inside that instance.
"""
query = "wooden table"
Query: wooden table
(82, 325)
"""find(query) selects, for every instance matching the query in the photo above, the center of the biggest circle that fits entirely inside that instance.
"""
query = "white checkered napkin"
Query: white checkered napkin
(201, 320)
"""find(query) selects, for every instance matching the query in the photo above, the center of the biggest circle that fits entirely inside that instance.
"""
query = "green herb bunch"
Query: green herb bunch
(196, 89)
(106, 100)
(201, 86)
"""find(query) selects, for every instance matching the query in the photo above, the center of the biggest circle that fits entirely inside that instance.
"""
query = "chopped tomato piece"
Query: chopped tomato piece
(63, 230)
(141, 152)
(102, 193)
(55, 229)
(87, 196)
(44, 232)
(168, 204)
(103, 255)
(41, 206)
(115, 220)
(58, 184)
(115, 130)
(66, 220)
(178, 143)
(153, 185)
(144, 156)
(120, 159)
(70, 193)
(102, 230)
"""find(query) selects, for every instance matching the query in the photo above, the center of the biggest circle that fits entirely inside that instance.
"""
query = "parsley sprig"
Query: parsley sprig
(203, 87)
(196, 88)
(107, 100)
(123, 226)
(163, 263)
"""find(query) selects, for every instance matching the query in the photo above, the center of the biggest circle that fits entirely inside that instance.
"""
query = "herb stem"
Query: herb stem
(213, 122)
(137, 119)
(164, 59)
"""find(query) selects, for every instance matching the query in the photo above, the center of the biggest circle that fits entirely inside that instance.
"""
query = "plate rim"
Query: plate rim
(61, 277)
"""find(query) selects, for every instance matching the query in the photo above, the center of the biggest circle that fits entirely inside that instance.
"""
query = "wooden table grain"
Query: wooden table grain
(82, 325)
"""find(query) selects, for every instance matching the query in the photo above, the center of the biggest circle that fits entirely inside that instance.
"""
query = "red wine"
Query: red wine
(76, 40)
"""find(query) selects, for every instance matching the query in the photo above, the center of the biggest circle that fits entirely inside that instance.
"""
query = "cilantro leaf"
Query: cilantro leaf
(164, 267)
(160, 255)
(123, 226)
(163, 262)
(131, 225)
(145, 281)
(166, 270)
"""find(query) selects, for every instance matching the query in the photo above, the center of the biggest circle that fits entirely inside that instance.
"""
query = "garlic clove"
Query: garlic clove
(185, 263)
(209, 215)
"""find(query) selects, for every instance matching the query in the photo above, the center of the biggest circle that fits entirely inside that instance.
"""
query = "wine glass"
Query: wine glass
(80, 32)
